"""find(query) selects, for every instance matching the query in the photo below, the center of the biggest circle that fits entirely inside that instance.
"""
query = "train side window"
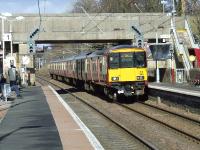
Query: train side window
(93, 66)
(101, 64)
(73, 66)
(82, 65)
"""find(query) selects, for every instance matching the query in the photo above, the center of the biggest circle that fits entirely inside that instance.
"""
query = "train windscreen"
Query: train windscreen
(139, 59)
(114, 60)
(127, 60)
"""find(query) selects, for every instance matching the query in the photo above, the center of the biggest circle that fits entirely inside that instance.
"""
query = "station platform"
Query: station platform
(42, 120)
(181, 88)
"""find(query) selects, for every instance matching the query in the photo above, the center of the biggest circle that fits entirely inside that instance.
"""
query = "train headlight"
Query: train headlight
(140, 77)
(115, 78)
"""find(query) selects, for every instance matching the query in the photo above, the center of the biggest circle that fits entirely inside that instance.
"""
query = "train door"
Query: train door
(104, 68)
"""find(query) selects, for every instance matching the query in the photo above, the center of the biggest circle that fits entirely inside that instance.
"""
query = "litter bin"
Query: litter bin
(6, 91)
(180, 76)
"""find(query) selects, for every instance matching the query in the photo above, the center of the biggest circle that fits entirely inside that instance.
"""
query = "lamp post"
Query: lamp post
(10, 30)
(157, 67)
(2, 38)
(4, 17)
(173, 29)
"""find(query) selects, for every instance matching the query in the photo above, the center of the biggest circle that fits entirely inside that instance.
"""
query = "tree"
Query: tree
(118, 6)
(131, 6)
(195, 12)
(91, 6)
(179, 7)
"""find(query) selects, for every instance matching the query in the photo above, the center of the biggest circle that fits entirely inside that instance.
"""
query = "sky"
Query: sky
(30, 6)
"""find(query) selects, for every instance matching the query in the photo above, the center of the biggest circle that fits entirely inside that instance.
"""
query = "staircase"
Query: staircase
(190, 35)
(181, 44)
(184, 38)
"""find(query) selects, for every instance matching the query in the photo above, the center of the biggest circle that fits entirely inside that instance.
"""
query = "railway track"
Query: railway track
(146, 144)
(197, 121)
(191, 131)
(178, 131)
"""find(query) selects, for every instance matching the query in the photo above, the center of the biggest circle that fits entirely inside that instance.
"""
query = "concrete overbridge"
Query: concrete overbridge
(78, 28)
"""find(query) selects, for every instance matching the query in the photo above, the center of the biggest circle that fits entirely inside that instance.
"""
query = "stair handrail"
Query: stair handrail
(189, 32)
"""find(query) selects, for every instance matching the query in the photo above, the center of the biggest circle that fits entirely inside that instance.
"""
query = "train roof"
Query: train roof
(82, 55)
(97, 53)
(74, 57)
(122, 46)
(63, 59)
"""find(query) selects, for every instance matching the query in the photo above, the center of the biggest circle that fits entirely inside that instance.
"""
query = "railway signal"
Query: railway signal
(140, 43)
(31, 46)
(139, 37)
(34, 33)
(31, 42)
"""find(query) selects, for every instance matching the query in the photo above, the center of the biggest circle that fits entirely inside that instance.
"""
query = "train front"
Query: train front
(127, 71)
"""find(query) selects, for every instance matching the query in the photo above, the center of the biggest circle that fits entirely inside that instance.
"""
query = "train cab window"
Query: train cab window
(139, 59)
(114, 60)
(126, 60)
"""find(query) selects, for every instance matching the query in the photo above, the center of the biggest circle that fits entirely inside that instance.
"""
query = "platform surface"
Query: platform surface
(29, 125)
(181, 88)
(41, 119)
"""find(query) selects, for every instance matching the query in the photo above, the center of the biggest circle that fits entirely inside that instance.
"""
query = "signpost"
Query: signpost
(7, 37)
(161, 52)
(25, 61)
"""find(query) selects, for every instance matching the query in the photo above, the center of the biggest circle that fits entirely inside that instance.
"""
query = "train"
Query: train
(117, 71)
